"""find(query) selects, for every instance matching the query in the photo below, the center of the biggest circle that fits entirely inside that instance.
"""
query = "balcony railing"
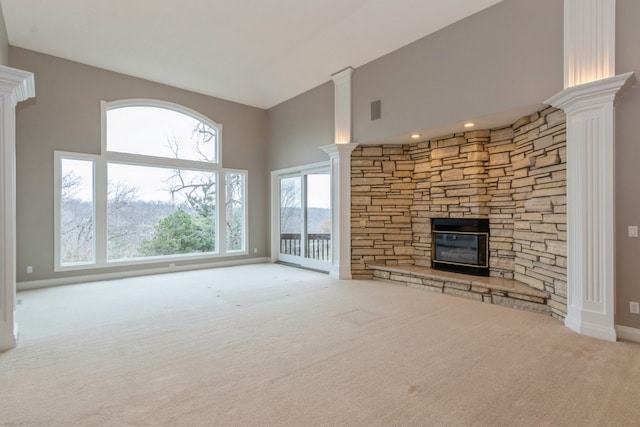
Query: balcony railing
(318, 245)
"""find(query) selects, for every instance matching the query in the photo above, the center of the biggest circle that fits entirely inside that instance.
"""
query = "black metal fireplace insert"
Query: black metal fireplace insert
(460, 245)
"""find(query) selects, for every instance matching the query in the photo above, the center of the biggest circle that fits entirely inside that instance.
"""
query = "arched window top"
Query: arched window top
(160, 129)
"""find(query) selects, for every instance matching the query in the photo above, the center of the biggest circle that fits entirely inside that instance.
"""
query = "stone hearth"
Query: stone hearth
(492, 290)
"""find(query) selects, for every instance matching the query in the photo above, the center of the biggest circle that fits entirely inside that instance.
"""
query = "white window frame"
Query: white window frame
(57, 194)
(106, 157)
(223, 216)
(276, 175)
(143, 102)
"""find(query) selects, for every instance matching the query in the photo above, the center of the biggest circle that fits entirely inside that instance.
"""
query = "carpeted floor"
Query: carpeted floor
(269, 345)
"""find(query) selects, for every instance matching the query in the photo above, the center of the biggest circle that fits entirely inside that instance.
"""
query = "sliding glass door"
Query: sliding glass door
(305, 218)
(291, 217)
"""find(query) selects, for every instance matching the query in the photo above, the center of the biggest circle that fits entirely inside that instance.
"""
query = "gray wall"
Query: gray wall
(501, 59)
(506, 57)
(65, 115)
(627, 159)
(4, 41)
(299, 126)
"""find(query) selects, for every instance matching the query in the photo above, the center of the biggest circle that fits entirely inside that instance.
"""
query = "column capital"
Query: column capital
(593, 93)
(20, 84)
(342, 76)
(339, 150)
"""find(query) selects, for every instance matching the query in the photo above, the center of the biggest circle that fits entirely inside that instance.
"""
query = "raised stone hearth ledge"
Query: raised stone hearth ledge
(492, 290)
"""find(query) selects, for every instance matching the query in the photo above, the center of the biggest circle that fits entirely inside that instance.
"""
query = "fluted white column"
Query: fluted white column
(588, 99)
(590, 205)
(342, 105)
(15, 86)
(589, 41)
(340, 158)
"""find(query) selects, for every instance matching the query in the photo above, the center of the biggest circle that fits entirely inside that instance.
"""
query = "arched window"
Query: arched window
(169, 131)
(157, 190)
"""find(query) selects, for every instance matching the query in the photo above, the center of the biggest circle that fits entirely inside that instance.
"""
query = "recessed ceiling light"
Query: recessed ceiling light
(469, 125)
(415, 135)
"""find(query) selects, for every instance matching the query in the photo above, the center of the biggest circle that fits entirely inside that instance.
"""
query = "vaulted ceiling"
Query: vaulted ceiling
(256, 52)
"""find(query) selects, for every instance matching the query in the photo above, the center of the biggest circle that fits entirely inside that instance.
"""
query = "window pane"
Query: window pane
(160, 132)
(77, 221)
(235, 211)
(319, 216)
(291, 215)
(154, 211)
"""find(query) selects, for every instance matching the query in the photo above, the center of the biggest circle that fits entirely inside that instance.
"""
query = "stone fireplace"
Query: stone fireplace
(514, 177)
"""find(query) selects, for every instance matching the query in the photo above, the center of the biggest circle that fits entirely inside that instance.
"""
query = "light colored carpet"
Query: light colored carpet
(269, 345)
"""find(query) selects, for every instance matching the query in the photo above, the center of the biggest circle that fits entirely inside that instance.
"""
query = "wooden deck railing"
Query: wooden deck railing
(318, 245)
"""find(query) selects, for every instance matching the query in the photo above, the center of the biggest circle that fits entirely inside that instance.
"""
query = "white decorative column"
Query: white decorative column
(589, 41)
(588, 100)
(590, 205)
(15, 86)
(340, 158)
(342, 105)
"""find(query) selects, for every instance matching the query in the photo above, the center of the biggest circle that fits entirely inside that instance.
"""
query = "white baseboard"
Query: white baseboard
(46, 283)
(627, 333)
(590, 329)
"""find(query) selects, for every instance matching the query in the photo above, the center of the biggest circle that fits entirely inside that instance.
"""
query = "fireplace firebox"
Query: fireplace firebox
(460, 245)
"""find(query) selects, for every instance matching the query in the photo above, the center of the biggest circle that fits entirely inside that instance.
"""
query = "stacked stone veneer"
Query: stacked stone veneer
(515, 176)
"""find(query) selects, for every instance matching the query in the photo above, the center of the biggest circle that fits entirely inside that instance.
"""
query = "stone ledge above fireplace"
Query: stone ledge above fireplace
(492, 290)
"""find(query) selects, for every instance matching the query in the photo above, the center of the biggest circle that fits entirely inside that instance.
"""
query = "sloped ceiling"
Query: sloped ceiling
(255, 52)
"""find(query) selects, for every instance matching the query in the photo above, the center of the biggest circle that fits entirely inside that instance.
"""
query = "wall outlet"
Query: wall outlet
(172, 265)
(255, 250)
(634, 307)
(633, 231)
(29, 269)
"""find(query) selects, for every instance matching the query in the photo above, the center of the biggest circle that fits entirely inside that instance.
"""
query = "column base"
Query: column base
(576, 321)
(340, 272)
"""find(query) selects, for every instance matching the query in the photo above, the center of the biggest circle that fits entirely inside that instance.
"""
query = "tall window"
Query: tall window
(77, 212)
(154, 192)
(236, 211)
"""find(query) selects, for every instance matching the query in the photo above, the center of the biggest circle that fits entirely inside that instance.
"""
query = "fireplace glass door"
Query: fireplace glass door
(461, 248)
(460, 245)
